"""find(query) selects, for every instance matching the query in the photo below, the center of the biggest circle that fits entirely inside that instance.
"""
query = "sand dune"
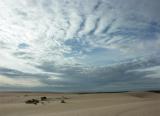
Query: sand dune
(104, 104)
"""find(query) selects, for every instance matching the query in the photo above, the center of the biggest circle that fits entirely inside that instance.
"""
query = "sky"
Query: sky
(79, 45)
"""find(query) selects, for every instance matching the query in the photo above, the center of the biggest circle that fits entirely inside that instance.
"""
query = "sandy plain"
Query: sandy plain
(95, 104)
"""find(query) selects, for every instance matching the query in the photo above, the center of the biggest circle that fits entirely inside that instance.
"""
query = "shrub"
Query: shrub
(62, 101)
(32, 101)
(43, 98)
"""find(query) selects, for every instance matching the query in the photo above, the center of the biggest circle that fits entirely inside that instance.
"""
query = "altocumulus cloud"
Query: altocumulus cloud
(60, 45)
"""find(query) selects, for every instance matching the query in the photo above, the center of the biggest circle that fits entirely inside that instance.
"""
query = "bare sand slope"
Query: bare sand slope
(107, 104)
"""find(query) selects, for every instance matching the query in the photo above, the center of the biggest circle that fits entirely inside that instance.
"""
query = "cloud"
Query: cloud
(64, 43)
(152, 72)
(19, 82)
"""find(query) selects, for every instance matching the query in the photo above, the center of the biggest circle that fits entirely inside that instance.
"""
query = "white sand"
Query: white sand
(107, 104)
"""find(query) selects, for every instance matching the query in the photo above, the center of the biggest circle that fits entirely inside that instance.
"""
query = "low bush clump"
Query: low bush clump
(32, 101)
(43, 98)
(62, 101)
